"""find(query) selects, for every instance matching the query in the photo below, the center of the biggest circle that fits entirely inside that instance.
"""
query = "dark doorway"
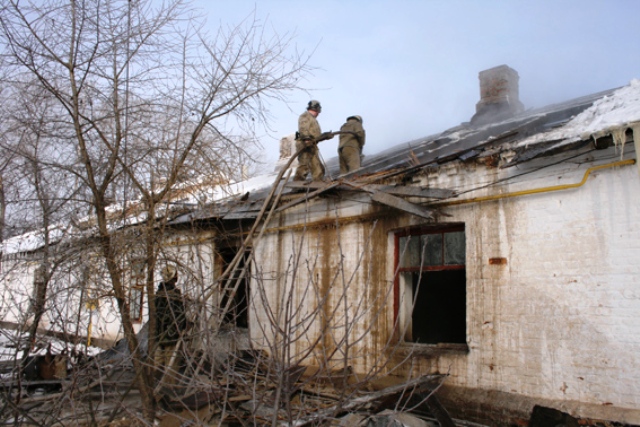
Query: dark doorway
(238, 313)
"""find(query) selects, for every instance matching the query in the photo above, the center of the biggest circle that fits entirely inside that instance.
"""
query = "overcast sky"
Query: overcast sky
(410, 67)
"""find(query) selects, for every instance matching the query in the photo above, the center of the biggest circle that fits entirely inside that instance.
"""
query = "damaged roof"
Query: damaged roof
(600, 119)
(531, 134)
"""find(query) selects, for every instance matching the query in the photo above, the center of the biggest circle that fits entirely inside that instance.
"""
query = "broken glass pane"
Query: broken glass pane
(409, 251)
(432, 244)
(454, 248)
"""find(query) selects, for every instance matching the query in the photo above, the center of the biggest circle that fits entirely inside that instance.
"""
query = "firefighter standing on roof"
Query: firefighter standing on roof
(352, 138)
(307, 138)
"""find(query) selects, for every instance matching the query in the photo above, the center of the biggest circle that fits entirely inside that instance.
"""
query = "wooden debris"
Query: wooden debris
(439, 411)
(421, 383)
(311, 195)
(397, 190)
(403, 205)
(384, 194)
(408, 191)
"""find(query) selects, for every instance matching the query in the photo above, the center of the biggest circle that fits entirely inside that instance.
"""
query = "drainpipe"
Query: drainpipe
(536, 190)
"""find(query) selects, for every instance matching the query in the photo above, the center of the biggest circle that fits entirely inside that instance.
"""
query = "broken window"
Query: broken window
(431, 284)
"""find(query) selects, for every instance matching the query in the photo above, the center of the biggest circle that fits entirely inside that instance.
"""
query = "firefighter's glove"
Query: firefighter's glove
(325, 135)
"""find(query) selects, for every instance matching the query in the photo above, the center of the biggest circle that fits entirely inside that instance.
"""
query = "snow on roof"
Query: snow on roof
(32, 240)
(611, 113)
(195, 195)
(224, 191)
(607, 115)
(253, 184)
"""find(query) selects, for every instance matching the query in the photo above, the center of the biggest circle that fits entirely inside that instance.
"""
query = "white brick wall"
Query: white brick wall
(558, 321)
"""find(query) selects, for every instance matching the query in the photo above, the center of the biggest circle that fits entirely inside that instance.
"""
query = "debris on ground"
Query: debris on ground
(246, 387)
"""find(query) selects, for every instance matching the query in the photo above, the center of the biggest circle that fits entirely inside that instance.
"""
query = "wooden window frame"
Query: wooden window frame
(399, 271)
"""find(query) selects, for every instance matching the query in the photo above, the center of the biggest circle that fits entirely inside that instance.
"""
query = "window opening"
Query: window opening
(431, 285)
(238, 313)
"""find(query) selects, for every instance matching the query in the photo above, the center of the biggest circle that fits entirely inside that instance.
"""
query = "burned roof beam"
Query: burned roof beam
(427, 193)
(401, 204)
(308, 196)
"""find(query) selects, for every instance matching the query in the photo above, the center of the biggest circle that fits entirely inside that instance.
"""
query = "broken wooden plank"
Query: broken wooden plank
(403, 205)
(312, 185)
(377, 196)
(321, 392)
(438, 411)
(429, 193)
(397, 190)
(423, 382)
(306, 197)
(241, 215)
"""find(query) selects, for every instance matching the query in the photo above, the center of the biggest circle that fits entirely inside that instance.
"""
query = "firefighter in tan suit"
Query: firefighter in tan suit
(307, 138)
(352, 138)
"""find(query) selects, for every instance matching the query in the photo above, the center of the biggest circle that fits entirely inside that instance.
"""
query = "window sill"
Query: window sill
(417, 349)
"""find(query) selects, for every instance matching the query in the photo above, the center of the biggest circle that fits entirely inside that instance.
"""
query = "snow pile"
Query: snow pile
(611, 113)
(224, 191)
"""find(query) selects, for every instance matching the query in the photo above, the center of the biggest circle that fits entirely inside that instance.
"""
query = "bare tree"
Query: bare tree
(310, 361)
(140, 111)
(142, 100)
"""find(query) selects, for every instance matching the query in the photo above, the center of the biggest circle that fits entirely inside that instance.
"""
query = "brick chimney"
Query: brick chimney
(499, 95)
(287, 149)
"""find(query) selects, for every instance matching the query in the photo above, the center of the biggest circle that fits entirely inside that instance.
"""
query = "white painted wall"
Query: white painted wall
(194, 258)
(16, 277)
(558, 321)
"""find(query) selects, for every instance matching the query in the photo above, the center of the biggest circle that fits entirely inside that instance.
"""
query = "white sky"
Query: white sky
(410, 67)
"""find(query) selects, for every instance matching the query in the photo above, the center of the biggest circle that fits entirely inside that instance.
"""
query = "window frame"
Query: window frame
(399, 318)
